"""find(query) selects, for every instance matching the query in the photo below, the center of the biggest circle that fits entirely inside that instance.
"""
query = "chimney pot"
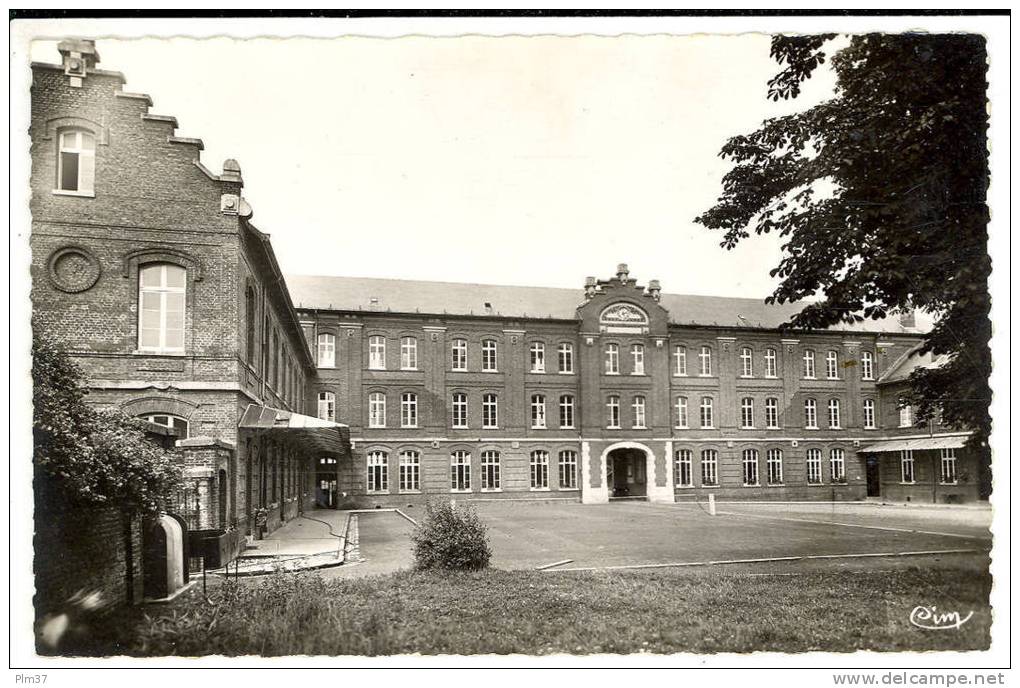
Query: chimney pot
(622, 272)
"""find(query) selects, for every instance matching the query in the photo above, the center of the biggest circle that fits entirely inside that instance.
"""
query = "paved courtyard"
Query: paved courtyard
(526, 535)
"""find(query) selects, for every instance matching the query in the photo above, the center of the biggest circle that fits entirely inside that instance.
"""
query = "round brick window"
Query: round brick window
(73, 269)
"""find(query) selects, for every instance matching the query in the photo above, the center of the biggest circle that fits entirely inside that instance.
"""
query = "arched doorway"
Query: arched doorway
(627, 473)
(162, 557)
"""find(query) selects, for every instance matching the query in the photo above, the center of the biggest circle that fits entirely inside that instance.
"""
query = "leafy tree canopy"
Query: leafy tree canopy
(880, 196)
(96, 457)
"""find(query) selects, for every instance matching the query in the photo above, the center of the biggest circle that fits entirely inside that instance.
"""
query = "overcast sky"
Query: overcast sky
(509, 160)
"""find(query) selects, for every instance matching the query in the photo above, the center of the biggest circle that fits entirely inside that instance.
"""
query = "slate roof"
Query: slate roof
(457, 298)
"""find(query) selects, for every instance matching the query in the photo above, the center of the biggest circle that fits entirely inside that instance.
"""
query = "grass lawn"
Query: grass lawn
(495, 611)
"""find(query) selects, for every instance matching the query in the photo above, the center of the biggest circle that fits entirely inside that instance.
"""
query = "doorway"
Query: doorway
(327, 492)
(626, 473)
(873, 473)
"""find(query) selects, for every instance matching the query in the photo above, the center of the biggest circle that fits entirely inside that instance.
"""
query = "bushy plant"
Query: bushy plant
(450, 537)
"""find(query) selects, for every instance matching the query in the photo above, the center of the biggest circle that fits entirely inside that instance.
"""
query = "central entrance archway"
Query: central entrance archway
(627, 473)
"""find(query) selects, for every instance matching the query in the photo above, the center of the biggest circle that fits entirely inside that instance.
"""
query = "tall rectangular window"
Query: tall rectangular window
(377, 352)
(869, 414)
(637, 355)
(747, 412)
(682, 420)
(613, 411)
(566, 411)
(837, 465)
(161, 307)
(566, 358)
(948, 475)
(378, 475)
(907, 466)
(538, 410)
(460, 471)
(867, 365)
(680, 361)
(612, 359)
(408, 410)
(709, 467)
(490, 471)
(490, 411)
(746, 362)
(410, 471)
(834, 413)
(537, 357)
(750, 462)
(539, 470)
(705, 361)
(810, 414)
(772, 413)
(814, 466)
(327, 350)
(706, 412)
(327, 406)
(249, 322)
(377, 410)
(459, 416)
(489, 355)
(568, 470)
(458, 354)
(774, 466)
(906, 414)
(639, 411)
(76, 163)
(771, 365)
(683, 467)
(832, 365)
(408, 353)
(809, 364)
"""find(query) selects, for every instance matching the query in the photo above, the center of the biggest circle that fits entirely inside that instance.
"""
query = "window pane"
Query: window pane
(174, 276)
(69, 171)
(88, 141)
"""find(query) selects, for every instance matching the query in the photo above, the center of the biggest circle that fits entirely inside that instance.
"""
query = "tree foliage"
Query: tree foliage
(880, 197)
(95, 457)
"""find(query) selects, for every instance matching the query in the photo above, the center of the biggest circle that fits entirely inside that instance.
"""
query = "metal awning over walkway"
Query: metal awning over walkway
(313, 434)
(943, 442)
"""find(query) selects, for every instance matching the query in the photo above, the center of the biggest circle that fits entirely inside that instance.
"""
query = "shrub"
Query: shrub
(450, 537)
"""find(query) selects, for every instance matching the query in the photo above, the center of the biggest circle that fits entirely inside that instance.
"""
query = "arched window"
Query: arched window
(637, 354)
(566, 411)
(538, 410)
(680, 360)
(458, 353)
(771, 367)
(377, 352)
(612, 359)
(747, 412)
(869, 414)
(327, 350)
(681, 412)
(613, 411)
(460, 410)
(566, 356)
(834, 413)
(705, 361)
(176, 423)
(408, 410)
(490, 411)
(76, 161)
(867, 365)
(683, 465)
(410, 471)
(537, 357)
(490, 471)
(568, 470)
(746, 362)
(540, 470)
(408, 353)
(460, 471)
(706, 412)
(811, 414)
(814, 466)
(161, 307)
(490, 355)
(639, 411)
(809, 364)
(750, 461)
(771, 413)
(832, 365)
(774, 466)
(378, 473)
(709, 467)
(377, 410)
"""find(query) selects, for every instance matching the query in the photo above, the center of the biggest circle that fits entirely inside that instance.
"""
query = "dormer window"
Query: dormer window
(76, 162)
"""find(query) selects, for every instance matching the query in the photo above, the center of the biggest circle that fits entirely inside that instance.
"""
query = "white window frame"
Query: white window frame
(683, 462)
(682, 413)
(837, 458)
(566, 358)
(705, 361)
(459, 410)
(377, 352)
(831, 364)
(811, 414)
(907, 467)
(538, 416)
(771, 413)
(906, 415)
(637, 356)
(376, 410)
(86, 160)
(490, 411)
(326, 344)
(774, 466)
(680, 361)
(809, 364)
(771, 363)
(537, 354)
(707, 413)
(834, 414)
(867, 366)
(746, 362)
(612, 362)
(377, 476)
(408, 410)
(813, 459)
(747, 413)
(491, 471)
(327, 406)
(709, 467)
(567, 411)
(567, 465)
(163, 291)
(460, 471)
(490, 356)
(638, 405)
(948, 467)
(409, 353)
(868, 408)
(409, 470)
(538, 464)
(458, 354)
(613, 412)
(749, 465)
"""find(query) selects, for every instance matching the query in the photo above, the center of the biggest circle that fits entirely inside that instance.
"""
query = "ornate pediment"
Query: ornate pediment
(623, 317)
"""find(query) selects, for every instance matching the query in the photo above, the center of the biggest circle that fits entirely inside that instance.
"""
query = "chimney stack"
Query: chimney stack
(655, 289)
(590, 285)
(622, 272)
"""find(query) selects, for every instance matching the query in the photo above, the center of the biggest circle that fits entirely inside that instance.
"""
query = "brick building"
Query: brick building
(147, 266)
